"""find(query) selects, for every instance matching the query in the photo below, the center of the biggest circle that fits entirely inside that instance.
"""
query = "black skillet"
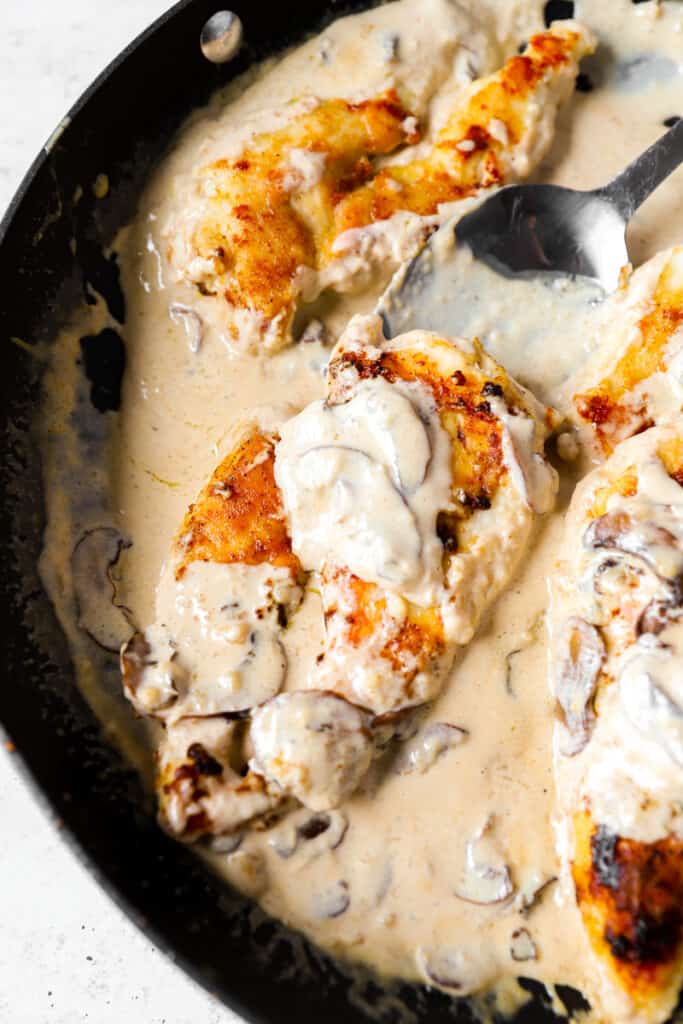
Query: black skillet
(120, 126)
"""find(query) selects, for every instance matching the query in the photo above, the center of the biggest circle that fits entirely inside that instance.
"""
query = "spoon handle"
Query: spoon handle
(632, 187)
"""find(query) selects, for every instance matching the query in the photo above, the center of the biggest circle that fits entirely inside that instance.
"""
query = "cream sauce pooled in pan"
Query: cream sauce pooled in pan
(442, 866)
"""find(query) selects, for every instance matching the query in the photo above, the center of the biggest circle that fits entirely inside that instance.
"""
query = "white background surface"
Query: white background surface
(67, 954)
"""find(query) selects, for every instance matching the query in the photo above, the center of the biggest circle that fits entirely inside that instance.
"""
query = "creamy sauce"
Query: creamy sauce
(214, 647)
(442, 866)
(367, 476)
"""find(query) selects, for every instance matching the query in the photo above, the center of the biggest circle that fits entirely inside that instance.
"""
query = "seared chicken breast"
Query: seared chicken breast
(214, 650)
(439, 474)
(294, 212)
(635, 378)
(618, 681)
(407, 497)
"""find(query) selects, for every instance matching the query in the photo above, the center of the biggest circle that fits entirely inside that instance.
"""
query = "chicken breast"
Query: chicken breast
(408, 496)
(635, 378)
(411, 491)
(225, 592)
(618, 682)
(303, 208)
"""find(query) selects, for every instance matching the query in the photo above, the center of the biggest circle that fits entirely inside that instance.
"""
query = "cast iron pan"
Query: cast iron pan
(121, 126)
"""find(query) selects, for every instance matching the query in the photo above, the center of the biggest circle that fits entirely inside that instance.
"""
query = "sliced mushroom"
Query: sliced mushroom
(148, 694)
(332, 901)
(228, 843)
(522, 946)
(92, 561)
(424, 750)
(191, 322)
(580, 663)
(309, 834)
(657, 615)
(313, 745)
(486, 879)
(653, 545)
(462, 970)
(396, 726)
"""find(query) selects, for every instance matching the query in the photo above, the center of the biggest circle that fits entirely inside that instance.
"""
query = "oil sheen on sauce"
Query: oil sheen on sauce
(409, 831)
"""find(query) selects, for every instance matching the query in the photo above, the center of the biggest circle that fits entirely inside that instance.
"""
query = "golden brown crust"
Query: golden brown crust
(610, 406)
(449, 173)
(261, 228)
(414, 646)
(238, 516)
(631, 898)
(257, 233)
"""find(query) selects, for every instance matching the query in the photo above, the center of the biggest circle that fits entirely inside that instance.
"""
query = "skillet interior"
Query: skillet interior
(120, 127)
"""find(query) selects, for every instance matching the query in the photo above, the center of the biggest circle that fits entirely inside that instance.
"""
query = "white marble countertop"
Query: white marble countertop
(67, 954)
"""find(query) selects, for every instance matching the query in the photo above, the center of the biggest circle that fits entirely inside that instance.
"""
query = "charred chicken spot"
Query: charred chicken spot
(484, 407)
(596, 408)
(477, 502)
(604, 858)
(447, 530)
(653, 940)
(104, 361)
(282, 619)
(491, 389)
(459, 378)
(205, 763)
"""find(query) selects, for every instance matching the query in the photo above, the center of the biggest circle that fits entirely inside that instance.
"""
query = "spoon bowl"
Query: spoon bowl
(547, 229)
(542, 231)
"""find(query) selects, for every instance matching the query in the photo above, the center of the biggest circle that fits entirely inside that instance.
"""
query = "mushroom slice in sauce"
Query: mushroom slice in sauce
(313, 745)
(522, 946)
(486, 879)
(580, 662)
(308, 834)
(657, 615)
(136, 659)
(423, 751)
(92, 561)
(332, 901)
(461, 970)
(647, 541)
(200, 791)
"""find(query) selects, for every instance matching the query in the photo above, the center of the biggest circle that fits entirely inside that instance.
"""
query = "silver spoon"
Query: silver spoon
(527, 231)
